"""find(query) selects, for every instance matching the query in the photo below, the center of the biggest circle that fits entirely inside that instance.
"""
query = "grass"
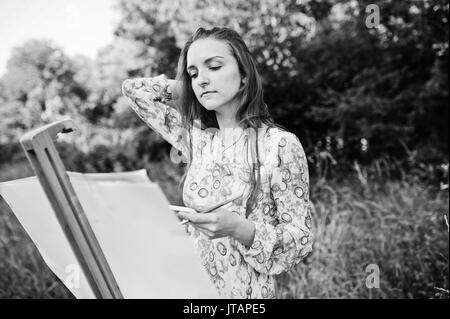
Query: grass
(399, 227)
(396, 225)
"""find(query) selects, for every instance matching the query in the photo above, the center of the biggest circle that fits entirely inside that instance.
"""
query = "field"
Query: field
(396, 226)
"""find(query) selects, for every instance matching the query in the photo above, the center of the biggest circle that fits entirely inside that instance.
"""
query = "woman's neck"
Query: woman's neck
(226, 120)
(228, 125)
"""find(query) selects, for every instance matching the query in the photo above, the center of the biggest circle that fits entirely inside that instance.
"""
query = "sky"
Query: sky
(78, 26)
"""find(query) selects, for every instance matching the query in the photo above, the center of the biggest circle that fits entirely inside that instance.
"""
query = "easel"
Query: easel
(43, 156)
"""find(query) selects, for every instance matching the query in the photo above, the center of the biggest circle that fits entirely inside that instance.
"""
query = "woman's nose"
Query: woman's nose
(202, 80)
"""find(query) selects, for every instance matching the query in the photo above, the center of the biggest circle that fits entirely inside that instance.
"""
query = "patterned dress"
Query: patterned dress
(220, 171)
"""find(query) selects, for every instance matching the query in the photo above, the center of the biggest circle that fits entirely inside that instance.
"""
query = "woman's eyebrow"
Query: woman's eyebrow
(206, 61)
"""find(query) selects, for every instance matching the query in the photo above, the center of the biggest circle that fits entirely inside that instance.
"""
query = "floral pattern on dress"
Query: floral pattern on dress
(283, 234)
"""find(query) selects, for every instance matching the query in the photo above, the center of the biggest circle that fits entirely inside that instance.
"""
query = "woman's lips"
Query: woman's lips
(207, 94)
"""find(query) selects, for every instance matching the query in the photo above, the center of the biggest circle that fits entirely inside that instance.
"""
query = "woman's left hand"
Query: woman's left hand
(216, 224)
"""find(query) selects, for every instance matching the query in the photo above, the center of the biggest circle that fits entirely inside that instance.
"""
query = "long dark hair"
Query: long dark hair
(252, 112)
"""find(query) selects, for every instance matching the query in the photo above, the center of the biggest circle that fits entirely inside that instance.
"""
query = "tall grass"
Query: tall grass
(399, 226)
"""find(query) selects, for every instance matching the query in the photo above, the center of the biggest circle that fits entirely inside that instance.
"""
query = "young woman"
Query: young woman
(215, 115)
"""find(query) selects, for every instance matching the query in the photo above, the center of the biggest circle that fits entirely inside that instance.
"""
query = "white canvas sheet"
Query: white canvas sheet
(148, 251)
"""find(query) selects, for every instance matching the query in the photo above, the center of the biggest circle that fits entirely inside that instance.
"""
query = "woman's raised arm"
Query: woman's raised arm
(150, 99)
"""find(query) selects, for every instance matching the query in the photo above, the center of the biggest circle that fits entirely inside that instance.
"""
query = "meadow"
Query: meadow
(399, 226)
(368, 101)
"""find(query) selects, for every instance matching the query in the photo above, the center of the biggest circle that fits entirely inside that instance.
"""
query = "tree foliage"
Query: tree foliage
(387, 86)
(348, 90)
(38, 86)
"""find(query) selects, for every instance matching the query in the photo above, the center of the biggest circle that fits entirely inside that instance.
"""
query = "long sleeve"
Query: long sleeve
(147, 96)
(277, 248)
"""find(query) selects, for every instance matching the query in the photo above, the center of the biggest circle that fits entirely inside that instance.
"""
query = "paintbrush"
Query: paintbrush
(205, 211)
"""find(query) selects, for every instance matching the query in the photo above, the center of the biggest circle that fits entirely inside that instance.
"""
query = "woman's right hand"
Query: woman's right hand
(174, 88)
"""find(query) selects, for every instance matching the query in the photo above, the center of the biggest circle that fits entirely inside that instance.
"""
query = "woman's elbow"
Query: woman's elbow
(126, 87)
(305, 247)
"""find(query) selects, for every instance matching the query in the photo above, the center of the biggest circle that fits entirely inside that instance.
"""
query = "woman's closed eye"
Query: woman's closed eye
(214, 68)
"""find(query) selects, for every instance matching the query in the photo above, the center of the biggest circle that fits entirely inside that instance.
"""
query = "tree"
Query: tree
(345, 82)
(39, 81)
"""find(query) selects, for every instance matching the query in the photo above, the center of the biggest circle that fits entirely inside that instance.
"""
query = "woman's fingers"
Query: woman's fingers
(191, 217)
(197, 218)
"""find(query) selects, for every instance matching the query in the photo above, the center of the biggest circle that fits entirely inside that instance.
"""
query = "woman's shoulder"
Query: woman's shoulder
(276, 136)
(277, 142)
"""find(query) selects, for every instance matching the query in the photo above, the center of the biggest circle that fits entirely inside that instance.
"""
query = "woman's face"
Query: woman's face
(212, 68)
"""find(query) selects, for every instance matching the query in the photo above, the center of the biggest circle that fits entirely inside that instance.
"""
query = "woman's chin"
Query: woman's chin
(210, 106)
